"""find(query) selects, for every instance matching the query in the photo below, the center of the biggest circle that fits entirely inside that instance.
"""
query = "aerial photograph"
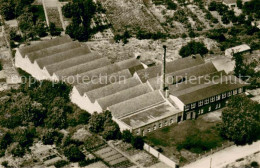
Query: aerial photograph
(129, 83)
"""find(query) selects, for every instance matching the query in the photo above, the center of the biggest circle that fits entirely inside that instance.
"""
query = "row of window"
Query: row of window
(201, 111)
(160, 125)
(213, 99)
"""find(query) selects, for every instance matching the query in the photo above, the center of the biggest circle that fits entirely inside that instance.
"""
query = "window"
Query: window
(201, 103)
(212, 99)
(187, 107)
(240, 90)
(171, 121)
(206, 101)
(234, 92)
(201, 111)
(165, 123)
(149, 130)
(224, 95)
(229, 94)
(218, 97)
(137, 132)
(160, 125)
(209, 108)
(154, 127)
(193, 105)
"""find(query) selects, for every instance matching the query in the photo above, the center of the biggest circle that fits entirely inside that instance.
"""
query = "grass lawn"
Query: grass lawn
(186, 140)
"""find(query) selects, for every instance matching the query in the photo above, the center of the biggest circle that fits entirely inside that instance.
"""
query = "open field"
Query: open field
(188, 140)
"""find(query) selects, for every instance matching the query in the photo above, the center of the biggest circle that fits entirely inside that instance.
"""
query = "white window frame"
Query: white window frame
(206, 101)
(210, 108)
(154, 127)
(187, 107)
(148, 130)
(200, 103)
(201, 111)
(212, 99)
(224, 95)
(218, 97)
(240, 90)
(165, 123)
(229, 93)
(235, 92)
(193, 105)
(171, 121)
(160, 125)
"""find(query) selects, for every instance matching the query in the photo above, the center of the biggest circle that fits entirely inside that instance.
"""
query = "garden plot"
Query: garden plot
(54, 16)
(112, 157)
(148, 49)
(130, 14)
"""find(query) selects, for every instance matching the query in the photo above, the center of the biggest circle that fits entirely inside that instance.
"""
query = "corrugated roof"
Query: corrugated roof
(88, 66)
(78, 62)
(112, 88)
(44, 44)
(52, 50)
(195, 71)
(98, 82)
(124, 95)
(138, 103)
(173, 66)
(126, 64)
(204, 91)
(62, 56)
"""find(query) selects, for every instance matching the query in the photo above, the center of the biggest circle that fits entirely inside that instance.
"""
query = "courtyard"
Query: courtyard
(189, 140)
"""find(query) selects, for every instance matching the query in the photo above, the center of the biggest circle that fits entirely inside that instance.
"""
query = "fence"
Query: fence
(160, 156)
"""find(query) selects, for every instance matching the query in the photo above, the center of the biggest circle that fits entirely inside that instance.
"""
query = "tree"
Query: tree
(241, 120)
(96, 123)
(17, 150)
(73, 153)
(51, 136)
(225, 19)
(127, 136)
(61, 163)
(193, 48)
(53, 30)
(5, 163)
(111, 130)
(213, 6)
(7, 9)
(239, 4)
(138, 142)
(6, 140)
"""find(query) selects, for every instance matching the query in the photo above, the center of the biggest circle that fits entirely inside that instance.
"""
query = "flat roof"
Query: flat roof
(135, 104)
(240, 48)
(151, 115)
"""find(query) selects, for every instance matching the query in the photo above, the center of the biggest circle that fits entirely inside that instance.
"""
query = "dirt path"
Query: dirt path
(226, 156)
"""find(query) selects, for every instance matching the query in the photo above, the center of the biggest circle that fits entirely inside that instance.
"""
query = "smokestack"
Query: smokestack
(163, 86)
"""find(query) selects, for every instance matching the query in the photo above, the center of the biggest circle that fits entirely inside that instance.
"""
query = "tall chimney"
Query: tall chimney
(163, 86)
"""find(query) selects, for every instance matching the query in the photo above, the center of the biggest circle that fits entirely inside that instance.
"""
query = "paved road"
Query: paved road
(226, 156)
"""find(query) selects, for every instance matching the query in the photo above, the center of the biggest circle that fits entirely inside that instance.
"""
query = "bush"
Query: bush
(138, 142)
(193, 48)
(53, 30)
(61, 163)
(1, 66)
(5, 163)
(127, 136)
(73, 153)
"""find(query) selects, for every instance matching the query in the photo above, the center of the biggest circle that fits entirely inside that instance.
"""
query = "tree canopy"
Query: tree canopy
(193, 48)
(241, 120)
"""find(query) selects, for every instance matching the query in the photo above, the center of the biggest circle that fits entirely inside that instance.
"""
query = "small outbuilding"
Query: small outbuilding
(238, 49)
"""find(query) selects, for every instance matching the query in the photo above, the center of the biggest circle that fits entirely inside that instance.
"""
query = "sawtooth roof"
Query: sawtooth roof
(124, 95)
(52, 50)
(101, 81)
(79, 62)
(84, 67)
(195, 71)
(62, 56)
(112, 88)
(113, 68)
(136, 104)
(173, 66)
(44, 44)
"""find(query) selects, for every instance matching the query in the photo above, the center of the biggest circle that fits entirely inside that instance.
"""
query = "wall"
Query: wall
(160, 156)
